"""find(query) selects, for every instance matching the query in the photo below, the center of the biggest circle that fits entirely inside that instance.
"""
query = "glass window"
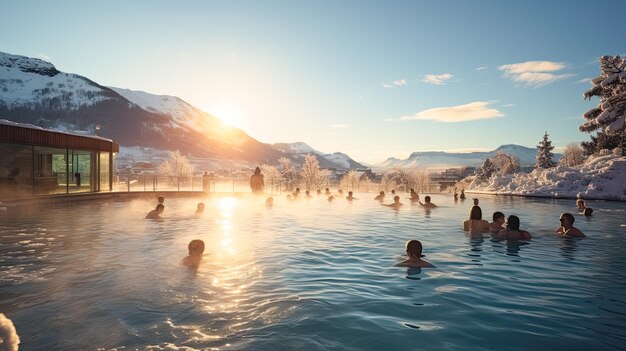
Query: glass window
(49, 170)
(16, 170)
(105, 176)
(82, 171)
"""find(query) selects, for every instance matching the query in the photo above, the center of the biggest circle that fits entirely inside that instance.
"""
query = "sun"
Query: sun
(228, 112)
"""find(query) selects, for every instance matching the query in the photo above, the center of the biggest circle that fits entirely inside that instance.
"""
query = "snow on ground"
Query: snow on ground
(602, 177)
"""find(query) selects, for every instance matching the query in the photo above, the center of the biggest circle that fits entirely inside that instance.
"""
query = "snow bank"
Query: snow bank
(9, 340)
(601, 177)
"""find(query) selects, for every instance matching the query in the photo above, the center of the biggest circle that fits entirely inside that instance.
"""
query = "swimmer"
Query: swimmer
(396, 203)
(327, 192)
(307, 194)
(156, 213)
(296, 194)
(199, 209)
(512, 231)
(456, 197)
(350, 197)
(475, 201)
(427, 203)
(340, 192)
(498, 222)
(196, 249)
(269, 202)
(319, 192)
(331, 198)
(414, 196)
(393, 191)
(462, 197)
(161, 199)
(580, 204)
(414, 251)
(476, 224)
(567, 226)
(588, 211)
(380, 196)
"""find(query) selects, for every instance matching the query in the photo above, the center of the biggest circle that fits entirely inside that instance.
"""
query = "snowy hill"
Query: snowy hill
(601, 177)
(33, 91)
(441, 159)
(336, 160)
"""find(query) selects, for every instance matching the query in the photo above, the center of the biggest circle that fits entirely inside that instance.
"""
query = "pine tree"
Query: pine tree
(544, 153)
(609, 117)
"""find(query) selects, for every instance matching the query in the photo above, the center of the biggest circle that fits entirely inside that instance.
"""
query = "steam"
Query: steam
(8, 336)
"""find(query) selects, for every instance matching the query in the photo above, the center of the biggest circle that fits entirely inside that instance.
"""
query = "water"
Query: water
(311, 275)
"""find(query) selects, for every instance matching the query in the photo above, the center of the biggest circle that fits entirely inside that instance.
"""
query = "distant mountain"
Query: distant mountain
(441, 159)
(34, 91)
(335, 160)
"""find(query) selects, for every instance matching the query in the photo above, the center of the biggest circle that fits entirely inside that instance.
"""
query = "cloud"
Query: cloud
(534, 73)
(340, 125)
(481, 68)
(437, 79)
(508, 105)
(395, 83)
(44, 56)
(472, 111)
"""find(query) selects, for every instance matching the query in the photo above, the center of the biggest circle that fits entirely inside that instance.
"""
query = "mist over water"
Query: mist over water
(310, 274)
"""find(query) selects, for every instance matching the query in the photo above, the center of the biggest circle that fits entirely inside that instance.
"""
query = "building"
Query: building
(36, 161)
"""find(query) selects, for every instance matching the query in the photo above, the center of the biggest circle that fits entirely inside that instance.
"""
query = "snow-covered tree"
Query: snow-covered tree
(176, 166)
(350, 181)
(544, 153)
(272, 176)
(287, 172)
(609, 117)
(486, 171)
(312, 177)
(505, 163)
(573, 155)
(387, 183)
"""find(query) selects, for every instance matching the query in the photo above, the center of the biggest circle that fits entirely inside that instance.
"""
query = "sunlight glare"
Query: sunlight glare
(228, 112)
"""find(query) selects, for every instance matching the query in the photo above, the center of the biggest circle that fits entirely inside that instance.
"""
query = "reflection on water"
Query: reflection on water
(308, 275)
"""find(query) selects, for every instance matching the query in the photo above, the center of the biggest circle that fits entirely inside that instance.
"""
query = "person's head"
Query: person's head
(340, 191)
(160, 208)
(580, 202)
(319, 191)
(349, 193)
(327, 190)
(427, 199)
(476, 213)
(396, 199)
(498, 217)
(475, 202)
(161, 199)
(512, 223)
(567, 220)
(269, 201)
(414, 248)
(257, 171)
(196, 247)
(297, 190)
(200, 207)
(393, 191)
(307, 193)
(412, 190)
(331, 198)
(588, 211)
(382, 193)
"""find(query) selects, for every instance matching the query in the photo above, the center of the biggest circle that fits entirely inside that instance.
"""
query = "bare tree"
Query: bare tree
(287, 172)
(573, 155)
(505, 163)
(312, 177)
(350, 181)
(272, 176)
(177, 166)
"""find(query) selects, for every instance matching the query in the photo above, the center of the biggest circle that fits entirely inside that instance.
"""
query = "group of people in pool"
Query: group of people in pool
(510, 230)
(160, 208)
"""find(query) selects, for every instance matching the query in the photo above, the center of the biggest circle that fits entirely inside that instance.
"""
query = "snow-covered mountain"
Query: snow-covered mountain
(441, 159)
(34, 91)
(336, 160)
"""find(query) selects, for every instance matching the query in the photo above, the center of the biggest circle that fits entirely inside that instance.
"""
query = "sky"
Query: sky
(373, 79)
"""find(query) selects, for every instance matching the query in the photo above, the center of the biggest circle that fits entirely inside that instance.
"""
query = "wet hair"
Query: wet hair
(569, 216)
(412, 190)
(350, 193)
(414, 248)
(427, 199)
(160, 207)
(196, 246)
(588, 211)
(512, 223)
(381, 193)
(200, 205)
(497, 215)
(161, 199)
(396, 198)
(257, 170)
(476, 213)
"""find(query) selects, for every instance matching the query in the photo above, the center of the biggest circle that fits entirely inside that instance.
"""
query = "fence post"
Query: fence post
(178, 179)
(128, 182)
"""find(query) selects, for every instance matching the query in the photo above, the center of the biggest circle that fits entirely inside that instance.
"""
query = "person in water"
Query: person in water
(199, 208)
(156, 213)
(331, 198)
(462, 197)
(567, 226)
(327, 192)
(196, 249)
(350, 197)
(580, 204)
(269, 202)
(588, 211)
(414, 196)
(380, 196)
(319, 192)
(414, 252)
(512, 231)
(498, 222)
(340, 192)
(393, 191)
(456, 196)
(161, 199)
(427, 203)
(476, 224)
(307, 194)
(257, 184)
(296, 194)
(475, 201)
(396, 203)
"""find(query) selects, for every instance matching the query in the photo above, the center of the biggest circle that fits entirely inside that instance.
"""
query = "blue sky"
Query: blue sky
(374, 79)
